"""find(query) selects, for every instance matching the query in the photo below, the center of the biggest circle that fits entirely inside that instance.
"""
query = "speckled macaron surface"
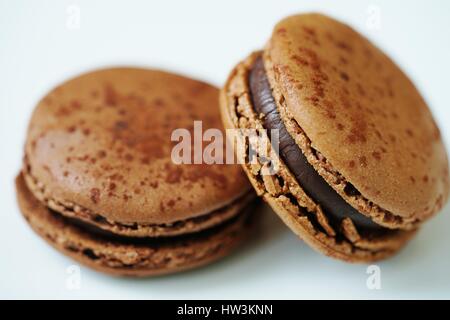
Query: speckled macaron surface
(99, 153)
(353, 125)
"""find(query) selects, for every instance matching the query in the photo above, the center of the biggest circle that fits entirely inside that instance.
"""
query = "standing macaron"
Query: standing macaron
(361, 163)
(99, 184)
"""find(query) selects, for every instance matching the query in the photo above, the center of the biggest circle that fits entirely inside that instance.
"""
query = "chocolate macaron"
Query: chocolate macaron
(359, 160)
(99, 184)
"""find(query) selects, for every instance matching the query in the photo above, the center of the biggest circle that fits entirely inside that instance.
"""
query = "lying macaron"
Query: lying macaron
(100, 185)
(361, 164)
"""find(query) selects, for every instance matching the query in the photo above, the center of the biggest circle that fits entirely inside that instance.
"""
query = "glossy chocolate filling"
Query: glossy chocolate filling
(333, 205)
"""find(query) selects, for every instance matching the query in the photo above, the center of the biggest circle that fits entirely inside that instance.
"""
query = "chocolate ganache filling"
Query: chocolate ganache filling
(333, 205)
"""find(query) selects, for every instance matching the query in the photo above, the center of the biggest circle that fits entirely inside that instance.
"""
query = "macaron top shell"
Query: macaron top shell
(102, 141)
(361, 112)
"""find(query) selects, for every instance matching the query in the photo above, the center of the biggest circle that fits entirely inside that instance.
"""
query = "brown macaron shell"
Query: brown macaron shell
(326, 75)
(286, 196)
(359, 123)
(98, 149)
(149, 257)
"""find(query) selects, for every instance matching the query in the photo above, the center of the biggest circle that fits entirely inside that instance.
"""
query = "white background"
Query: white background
(39, 47)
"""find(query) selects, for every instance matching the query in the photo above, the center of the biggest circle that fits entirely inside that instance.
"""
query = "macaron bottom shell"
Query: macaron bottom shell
(126, 256)
(283, 192)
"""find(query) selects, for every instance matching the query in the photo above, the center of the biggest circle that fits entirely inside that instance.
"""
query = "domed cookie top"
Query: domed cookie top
(361, 112)
(102, 142)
